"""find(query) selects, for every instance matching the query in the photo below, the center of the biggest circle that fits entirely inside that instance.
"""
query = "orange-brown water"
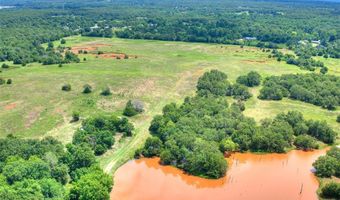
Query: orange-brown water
(250, 176)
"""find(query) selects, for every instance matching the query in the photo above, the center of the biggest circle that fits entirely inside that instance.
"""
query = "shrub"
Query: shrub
(338, 118)
(251, 79)
(305, 142)
(152, 147)
(239, 104)
(133, 107)
(240, 92)
(323, 70)
(63, 41)
(75, 116)
(92, 186)
(228, 145)
(321, 131)
(129, 110)
(326, 166)
(87, 89)
(2, 81)
(334, 152)
(71, 57)
(106, 92)
(213, 83)
(5, 66)
(9, 81)
(273, 93)
(331, 190)
(66, 87)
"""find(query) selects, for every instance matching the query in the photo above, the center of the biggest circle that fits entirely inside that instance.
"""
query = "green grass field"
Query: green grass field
(34, 105)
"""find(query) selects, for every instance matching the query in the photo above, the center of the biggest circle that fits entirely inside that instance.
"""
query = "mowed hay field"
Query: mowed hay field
(156, 72)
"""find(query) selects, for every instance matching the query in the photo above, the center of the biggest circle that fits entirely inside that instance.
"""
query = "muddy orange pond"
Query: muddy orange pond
(250, 176)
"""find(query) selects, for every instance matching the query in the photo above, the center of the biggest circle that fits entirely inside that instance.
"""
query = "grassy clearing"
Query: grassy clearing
(34, 105)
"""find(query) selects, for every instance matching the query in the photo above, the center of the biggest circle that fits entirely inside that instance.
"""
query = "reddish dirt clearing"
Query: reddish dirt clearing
(93, 49)
(88, 48)
(10, 106)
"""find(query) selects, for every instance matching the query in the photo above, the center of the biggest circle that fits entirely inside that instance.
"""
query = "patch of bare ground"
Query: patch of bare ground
(90, 47)
(32, 116)
(254, 61)
(11, 106)
(117, 56)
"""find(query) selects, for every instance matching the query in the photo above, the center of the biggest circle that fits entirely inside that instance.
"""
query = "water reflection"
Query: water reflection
(250, 176)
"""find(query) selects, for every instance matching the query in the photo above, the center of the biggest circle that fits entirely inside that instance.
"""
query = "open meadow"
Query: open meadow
(156, 72)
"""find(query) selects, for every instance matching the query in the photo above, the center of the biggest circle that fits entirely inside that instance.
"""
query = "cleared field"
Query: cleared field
(156, 72)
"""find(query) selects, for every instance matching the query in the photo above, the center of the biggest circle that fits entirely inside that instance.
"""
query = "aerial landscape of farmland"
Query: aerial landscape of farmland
(143, 99)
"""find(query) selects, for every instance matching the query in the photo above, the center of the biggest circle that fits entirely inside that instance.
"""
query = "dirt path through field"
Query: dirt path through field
(119, 156)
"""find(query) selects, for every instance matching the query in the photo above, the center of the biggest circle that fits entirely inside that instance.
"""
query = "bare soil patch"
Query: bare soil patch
(32, 117)
(89, 47)
(93, 49)
(11, 106)
(116, 56)
(254, 61)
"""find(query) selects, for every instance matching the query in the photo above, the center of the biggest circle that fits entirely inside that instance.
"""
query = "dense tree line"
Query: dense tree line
(24, 32)
(98, 32)
(269, 24)
(266, 24)
(40, 169)
(194, 135)
(317, 89)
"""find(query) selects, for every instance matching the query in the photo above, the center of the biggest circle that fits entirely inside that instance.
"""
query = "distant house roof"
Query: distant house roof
(94, 27)
(249, 38)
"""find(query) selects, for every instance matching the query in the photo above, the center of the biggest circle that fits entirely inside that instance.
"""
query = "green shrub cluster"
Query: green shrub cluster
(4, 81)
(98, 132)
(331, 190)
(215, 83)
(328, 165)
(133, 107)
(251, 79)
(305, 142)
